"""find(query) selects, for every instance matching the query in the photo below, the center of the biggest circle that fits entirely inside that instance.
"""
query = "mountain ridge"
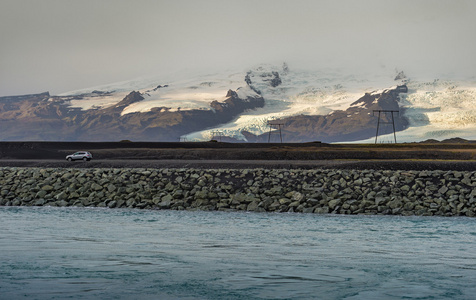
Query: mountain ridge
(237, 106)
(37, 114)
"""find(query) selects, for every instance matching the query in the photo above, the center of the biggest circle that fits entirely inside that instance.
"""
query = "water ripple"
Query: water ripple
(62, 253)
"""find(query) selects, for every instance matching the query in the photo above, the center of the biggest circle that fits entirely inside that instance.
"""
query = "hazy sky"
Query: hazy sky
(63, 45)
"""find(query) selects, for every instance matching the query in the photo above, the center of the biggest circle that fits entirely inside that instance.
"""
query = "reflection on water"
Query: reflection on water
(57, 253)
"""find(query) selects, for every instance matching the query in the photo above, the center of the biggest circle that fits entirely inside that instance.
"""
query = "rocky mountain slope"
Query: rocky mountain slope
(357, 122)
(49, 118)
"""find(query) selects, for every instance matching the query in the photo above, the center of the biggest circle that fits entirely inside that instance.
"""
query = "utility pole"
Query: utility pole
(387, 122)
(275, 125)
(218, 134)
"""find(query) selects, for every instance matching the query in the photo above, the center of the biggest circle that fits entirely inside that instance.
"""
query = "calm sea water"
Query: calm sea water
(77, 253)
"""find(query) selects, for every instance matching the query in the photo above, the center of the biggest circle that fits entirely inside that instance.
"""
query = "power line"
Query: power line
(385, 122)
(218, 134)
(275, 124)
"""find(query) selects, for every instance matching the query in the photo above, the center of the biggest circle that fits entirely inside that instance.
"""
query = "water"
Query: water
(65, 253)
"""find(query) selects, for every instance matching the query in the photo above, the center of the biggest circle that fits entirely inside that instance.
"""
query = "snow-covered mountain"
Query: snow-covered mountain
(429, 108)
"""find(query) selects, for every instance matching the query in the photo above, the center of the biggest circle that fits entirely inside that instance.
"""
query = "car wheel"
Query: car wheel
(70, 159)
(85, 159)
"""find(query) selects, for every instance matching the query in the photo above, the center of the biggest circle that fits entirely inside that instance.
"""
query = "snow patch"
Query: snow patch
(95, 102)
(196, 93)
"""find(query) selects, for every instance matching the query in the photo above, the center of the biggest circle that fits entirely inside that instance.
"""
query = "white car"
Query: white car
(80, 155)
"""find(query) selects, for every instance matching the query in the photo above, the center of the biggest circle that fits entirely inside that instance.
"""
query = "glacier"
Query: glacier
(436, 108)
(439, 109)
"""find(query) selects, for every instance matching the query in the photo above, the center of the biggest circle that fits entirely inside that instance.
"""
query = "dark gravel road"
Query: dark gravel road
(248, 164)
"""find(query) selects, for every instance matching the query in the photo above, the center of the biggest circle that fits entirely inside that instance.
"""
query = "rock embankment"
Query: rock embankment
(442, 193)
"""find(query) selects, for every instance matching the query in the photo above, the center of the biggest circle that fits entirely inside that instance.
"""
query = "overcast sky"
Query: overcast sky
(63, 45)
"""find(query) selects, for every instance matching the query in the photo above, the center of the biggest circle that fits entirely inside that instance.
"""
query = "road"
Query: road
(248, 164)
